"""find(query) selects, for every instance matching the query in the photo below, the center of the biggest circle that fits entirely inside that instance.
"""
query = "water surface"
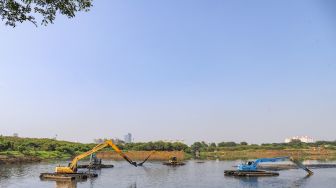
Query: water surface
(206, 175)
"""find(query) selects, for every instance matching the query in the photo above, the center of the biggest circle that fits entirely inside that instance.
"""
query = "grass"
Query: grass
(12, 153)
(40, 154)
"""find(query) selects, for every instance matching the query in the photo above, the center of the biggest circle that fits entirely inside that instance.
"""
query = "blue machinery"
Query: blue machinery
(252, 166)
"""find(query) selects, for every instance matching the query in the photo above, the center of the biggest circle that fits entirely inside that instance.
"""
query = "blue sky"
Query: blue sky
(255, 71)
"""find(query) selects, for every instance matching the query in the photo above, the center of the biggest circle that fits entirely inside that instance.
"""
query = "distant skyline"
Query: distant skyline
(255, 71)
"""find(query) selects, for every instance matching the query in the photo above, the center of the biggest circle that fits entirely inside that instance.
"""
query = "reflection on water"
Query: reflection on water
(301, 181)
(66, 184)
(243, 182)
(248, 181)
(133, 185)
(193, 174)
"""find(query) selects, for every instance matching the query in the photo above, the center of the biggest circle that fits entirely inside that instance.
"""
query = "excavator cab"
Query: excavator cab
(249, 163)
(248, 166)
(94, 160)
(173, 160)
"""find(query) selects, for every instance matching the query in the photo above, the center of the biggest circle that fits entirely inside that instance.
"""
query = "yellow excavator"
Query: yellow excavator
(72, 167)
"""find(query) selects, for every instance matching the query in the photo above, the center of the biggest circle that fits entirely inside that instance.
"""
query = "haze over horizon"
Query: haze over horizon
(255, 71)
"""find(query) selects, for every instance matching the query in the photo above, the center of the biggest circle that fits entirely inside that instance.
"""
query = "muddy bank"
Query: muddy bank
(18, 159)
(141, 155)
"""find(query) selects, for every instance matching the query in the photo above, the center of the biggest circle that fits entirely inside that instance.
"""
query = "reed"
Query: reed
(141, 155)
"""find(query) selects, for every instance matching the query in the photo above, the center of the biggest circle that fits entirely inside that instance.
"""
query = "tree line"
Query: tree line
(29, 145)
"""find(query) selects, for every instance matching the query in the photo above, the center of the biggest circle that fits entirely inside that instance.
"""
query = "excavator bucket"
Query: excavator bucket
(300, 165)
(140, 164)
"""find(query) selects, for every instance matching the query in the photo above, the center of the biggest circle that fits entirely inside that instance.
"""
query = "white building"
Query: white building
(305, 139)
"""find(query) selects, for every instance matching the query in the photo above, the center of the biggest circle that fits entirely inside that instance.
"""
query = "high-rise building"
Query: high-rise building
(128, 138)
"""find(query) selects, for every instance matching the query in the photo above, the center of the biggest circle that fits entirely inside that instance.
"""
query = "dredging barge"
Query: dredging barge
(258, 173)
(95, 167)
(67, 176)
(251, 168)
(70, 172)
(95, 164)
(173, 162)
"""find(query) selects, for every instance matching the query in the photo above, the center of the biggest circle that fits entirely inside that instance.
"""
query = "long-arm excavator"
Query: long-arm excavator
(251, 169)
(253, 165)
(72, 168)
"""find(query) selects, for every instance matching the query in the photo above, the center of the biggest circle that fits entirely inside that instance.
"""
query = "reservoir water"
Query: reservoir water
(209, 174)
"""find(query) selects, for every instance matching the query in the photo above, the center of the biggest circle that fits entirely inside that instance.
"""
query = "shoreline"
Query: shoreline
(300, 154)
(19, 159)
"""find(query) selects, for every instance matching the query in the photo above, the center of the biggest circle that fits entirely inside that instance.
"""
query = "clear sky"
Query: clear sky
(213, 70)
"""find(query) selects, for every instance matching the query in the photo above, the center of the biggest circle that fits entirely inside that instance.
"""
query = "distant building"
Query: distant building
(117, 141)
(114, 140)
(128, 138)
(305, 139)
(16, 135)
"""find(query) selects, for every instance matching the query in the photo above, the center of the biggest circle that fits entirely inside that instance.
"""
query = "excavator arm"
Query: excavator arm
(72, 168)
(253, 165)
(140, 164)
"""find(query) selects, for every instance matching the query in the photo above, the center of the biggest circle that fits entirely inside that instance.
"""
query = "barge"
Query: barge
(258, 173)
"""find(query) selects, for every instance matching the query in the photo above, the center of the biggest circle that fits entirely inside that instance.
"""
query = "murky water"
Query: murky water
(205, 175)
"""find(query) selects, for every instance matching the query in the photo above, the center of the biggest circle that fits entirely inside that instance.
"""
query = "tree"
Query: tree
(198, 146)
(22, 149)
(14, 11)
(5, 145)
(295, 142)
(179, 146)
(65, 149)
(227, 144)
(243, 143)
(213, 145)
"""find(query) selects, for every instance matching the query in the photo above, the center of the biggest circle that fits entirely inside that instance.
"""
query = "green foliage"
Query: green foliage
(14, 11)
(213, 145)
(227, 144)
(22, 149)
(66, 149)
(6, 145)
(50, 148)
(199, 146)
(158, 146)
(243, 143)
(32, 145)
